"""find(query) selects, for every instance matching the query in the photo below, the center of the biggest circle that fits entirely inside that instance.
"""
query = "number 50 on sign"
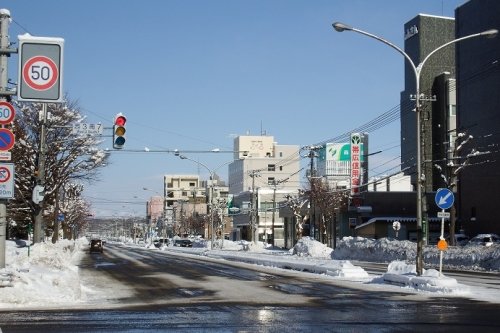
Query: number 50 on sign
(40, 69)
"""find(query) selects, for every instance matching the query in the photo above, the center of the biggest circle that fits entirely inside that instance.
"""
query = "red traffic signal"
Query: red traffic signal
(119, 131)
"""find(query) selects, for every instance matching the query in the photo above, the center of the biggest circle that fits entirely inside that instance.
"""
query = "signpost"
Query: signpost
(40, 69)
(7, 113)
(87, 129)
(7, 139)
(6, 181)
(444, 199)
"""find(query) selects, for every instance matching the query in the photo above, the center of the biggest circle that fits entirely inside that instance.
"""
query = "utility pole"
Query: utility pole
(312, 173)
(253, 210)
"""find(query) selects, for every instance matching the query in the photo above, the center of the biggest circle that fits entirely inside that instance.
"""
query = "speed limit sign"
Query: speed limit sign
(40, 69)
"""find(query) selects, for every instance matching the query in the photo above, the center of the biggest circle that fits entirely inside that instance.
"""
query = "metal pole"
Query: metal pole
(274, 212)
(4, 44)
(38, 230)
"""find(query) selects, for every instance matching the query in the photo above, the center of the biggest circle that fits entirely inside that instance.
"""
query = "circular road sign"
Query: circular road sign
(7, 113)
(4, 174)
(7, 139)
(40, 73)
(444, 198)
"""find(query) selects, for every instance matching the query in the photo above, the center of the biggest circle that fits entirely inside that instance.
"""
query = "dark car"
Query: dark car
(161, 242)
(183, 243)
(96, 246)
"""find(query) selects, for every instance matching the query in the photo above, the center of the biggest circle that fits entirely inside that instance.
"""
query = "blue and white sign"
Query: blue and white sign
(444, 198)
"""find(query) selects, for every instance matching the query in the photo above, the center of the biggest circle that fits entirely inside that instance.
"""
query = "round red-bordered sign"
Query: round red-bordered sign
(40, 73)
(7, 139)
(7, 113)
(4, 174)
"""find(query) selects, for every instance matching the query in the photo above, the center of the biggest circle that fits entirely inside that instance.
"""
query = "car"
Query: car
(161, 242)
(96, 246)
(485, 239)
(183, 243)
(460, 239)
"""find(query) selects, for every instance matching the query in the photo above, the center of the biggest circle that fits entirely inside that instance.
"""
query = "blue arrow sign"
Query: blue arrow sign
(444, 198)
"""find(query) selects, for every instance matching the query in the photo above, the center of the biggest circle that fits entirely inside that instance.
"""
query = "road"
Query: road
(139, 290)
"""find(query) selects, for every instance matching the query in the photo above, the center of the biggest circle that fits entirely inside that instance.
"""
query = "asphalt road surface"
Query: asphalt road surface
(138, 290)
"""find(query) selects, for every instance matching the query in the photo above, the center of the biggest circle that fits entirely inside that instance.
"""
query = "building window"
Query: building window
(192, 184)
(271, 167)
(453, 110)
(270, 181)
(281, 168)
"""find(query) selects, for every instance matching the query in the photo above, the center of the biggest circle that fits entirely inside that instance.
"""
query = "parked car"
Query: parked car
(161, 242)
(485, 239)
(183, 243)
(460, 239)
(96, 246)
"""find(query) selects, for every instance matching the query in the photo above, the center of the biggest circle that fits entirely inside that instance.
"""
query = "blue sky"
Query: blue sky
(192, 74)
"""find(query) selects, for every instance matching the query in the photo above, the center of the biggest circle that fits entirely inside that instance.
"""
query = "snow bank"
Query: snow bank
(42, 274)
(470, 257)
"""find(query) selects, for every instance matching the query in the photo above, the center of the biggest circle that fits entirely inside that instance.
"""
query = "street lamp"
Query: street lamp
(417, 69)
(210, 193)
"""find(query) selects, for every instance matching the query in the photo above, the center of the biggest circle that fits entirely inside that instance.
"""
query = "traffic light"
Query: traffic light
(119, 131)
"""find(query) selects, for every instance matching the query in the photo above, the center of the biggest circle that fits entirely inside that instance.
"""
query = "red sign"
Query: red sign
(7, 139)
(40, 73)
(7, 113)
(4, 174)
(355, 162)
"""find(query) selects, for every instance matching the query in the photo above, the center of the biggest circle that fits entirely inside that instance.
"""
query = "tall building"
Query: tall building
(478, 113)
(422, 35)
(260, 177)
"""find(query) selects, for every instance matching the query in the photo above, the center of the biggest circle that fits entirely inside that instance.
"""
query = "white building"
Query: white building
(270, 172)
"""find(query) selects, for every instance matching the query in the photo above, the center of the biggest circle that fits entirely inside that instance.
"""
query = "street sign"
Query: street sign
(6, 181)
(7, 139)
(444, 215)
(87, 129)
(444, 198)
(7, 113)
(40, 69)
(5, 155)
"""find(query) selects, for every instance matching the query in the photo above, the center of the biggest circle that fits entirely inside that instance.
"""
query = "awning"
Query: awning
(390, 219)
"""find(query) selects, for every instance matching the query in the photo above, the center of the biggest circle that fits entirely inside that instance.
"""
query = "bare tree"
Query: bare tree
(68, 159)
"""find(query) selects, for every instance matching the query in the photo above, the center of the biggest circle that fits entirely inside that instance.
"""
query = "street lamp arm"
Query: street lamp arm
(340, 27)
(488, 33)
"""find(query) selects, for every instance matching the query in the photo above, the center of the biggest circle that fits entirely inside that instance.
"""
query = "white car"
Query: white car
(485, 239)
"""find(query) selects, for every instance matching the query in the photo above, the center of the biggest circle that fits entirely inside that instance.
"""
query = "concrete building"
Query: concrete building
(422, 35)
(187, 196)
(478, 113)
(260, 177)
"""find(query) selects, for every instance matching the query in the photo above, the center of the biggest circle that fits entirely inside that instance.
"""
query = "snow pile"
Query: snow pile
(377, 250)
(308, 247)
(42, 274)
(470, 257)
(399, 272)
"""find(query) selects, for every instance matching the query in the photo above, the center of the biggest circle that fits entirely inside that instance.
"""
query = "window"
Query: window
(271, 167)
(281, 168)
(192, 184)
(270, 181)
